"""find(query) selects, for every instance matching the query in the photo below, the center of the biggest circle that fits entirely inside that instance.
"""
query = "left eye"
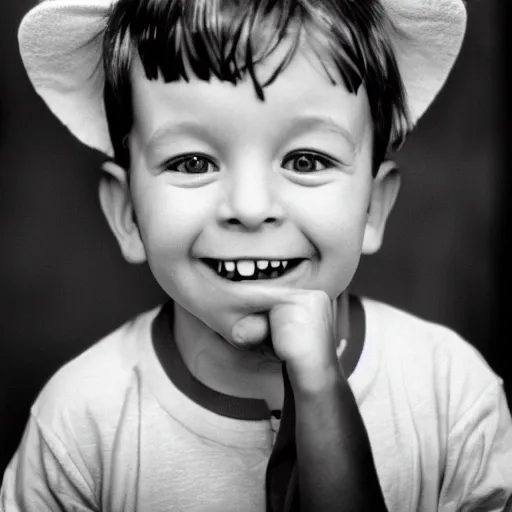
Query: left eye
(307, 162)
(191, 164)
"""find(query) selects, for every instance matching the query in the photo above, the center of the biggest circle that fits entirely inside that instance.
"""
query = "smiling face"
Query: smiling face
(224, 184)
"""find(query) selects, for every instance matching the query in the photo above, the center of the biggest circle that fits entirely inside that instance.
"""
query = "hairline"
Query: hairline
(323, 50)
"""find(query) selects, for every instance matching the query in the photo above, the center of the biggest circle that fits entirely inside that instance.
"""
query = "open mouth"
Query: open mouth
(252, 270)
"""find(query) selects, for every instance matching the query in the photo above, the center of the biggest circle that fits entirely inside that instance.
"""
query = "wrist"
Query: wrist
(311, 382)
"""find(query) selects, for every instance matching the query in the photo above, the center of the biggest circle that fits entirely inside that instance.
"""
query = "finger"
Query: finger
(250, 331)
(254, 328)
(262, 298)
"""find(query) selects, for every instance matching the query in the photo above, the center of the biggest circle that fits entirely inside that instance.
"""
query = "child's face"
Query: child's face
(286, 178)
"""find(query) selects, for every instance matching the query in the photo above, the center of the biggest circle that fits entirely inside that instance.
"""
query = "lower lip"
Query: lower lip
(292, 276)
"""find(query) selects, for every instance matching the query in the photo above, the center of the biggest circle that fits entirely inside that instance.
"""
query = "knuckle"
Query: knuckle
(319, 298)
(313, 302)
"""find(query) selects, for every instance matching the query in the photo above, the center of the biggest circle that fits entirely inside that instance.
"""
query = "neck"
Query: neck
(218, 365)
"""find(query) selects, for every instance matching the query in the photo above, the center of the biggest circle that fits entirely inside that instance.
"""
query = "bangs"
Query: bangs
(226, 39)
(223, 38)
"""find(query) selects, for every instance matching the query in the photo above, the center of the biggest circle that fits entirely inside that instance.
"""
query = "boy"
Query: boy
(249, 141)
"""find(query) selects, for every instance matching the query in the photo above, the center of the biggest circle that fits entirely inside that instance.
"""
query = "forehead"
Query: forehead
(302, 90)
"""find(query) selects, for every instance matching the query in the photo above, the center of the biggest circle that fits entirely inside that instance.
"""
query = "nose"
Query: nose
(251, 199)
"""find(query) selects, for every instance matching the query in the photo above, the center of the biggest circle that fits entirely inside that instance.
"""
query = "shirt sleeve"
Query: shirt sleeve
(42, 477)
(478, 470)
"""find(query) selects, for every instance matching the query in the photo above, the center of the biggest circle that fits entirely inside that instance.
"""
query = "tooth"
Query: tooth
(284, 263)
(262, 264)
(275, 264)
(229, 266)
(219, 267)
(245, 268)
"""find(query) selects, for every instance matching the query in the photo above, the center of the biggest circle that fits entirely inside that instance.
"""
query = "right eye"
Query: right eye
(191, 164)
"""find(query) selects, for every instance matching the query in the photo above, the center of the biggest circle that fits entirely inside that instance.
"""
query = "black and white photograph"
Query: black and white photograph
(256, 256)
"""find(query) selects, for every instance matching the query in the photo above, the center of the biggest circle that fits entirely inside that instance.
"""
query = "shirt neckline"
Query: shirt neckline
(251, 409)
(238, 408)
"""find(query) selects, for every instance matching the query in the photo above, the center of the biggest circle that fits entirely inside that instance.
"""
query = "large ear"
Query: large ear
(386, 185)
(116, 203)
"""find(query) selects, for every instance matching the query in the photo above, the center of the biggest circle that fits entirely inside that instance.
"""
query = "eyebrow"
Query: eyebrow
(164, 132)
(307, 122)
(300, 125)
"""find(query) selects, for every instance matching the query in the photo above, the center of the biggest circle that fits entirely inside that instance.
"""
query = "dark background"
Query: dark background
(64, 284)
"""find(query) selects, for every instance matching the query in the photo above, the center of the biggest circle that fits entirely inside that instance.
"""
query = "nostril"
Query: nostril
(234, 221)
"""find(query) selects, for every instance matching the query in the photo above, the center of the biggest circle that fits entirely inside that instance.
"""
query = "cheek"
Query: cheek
(335, 225)
(336, 216)
(170, 220)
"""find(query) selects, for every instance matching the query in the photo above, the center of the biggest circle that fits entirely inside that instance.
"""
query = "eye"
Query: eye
(191, 164)
(306, 161)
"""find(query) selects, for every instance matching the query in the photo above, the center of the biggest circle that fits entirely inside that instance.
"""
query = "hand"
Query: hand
(301, 325)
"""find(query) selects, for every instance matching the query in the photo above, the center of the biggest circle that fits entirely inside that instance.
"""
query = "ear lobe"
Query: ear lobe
(386, 185)
(116, 203)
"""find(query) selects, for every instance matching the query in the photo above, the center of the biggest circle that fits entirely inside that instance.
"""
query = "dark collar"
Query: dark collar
(252, 409)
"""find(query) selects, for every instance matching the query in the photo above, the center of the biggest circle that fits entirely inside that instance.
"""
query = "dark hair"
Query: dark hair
(227, 38)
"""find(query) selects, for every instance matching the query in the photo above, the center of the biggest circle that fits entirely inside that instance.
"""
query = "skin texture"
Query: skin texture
(254, 201)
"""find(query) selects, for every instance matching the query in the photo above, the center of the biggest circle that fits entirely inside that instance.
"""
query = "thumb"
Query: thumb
(251, 330)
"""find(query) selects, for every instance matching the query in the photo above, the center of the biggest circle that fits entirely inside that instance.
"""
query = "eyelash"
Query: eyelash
(325, 162)
(172, 165)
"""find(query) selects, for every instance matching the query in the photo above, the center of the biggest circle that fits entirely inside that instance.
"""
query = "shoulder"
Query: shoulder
(99, 377)
(421, 342)
(432, 362)
(75, 422)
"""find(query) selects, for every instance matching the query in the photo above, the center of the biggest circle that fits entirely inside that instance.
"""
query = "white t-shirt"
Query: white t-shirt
(112, 432)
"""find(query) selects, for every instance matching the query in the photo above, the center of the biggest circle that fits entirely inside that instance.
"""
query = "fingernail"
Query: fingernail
(238, 332)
